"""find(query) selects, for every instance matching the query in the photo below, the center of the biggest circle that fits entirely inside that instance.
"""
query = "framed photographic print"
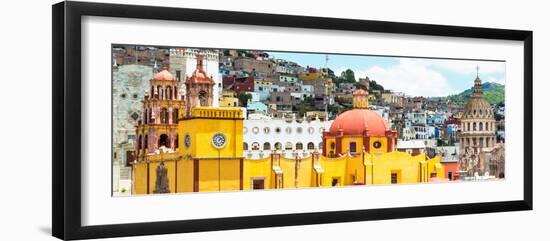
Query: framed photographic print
(169, 120)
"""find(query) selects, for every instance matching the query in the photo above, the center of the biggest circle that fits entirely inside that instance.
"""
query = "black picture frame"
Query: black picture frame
(66, 122)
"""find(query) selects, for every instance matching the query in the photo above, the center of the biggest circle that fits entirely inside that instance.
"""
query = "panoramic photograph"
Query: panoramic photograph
(188, 119)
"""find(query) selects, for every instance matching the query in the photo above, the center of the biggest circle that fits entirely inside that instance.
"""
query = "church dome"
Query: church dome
(356, 121)
(164, 75)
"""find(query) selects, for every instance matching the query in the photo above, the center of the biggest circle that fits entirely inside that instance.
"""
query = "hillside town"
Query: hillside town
(294, 109)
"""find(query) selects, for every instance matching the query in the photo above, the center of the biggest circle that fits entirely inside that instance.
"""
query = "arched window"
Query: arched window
(299, 146)
(203, 98)
(164, 116)
(487, 142)
(288, 146)
(480, 126)
(475, 126)
(168, 93)
(159, 89)
(164, 140)
(332, 145)
(320, 145)
(255, 146)
(352, 147)
(150, 115)
(175, 92)
(278, 146)
(267, 146)
(469, 127)
(486, 126)
(310, 146)
(481, 142)
(175, 116)
(152, 91)
(245, 146)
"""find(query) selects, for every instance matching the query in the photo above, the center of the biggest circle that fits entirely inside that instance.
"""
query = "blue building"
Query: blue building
(256, 106)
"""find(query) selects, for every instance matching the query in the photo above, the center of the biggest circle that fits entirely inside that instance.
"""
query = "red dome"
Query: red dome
(354, 122)
(164, 75)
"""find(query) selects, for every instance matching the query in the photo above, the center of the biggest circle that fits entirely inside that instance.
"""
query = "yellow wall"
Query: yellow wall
(368, 168)
(185, 176)
(383, 140)
(311, 76)
(140, 171)
(258, 169)
(201, 129)
(229, 102)
(375, 167)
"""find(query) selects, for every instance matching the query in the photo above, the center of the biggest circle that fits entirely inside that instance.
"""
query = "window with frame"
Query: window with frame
(353, 147)
(129, 158)
(258, 183)
(393, 178)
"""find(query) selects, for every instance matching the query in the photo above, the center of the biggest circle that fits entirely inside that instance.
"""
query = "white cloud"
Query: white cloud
(410, 76)
(467, 67)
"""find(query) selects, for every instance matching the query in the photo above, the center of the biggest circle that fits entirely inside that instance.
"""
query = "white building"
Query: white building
(408, 133)
(183, 61)
(383, 111)
(292, 137)
(308, 90)
(129, 81)
(255, 96)
(288, 78)
(417, 117)
(413, 147)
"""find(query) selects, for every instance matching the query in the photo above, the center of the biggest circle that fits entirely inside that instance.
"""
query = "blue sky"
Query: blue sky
(413, 76)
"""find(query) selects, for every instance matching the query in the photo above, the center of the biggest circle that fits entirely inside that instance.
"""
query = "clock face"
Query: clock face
(187, 141)
(219, 140)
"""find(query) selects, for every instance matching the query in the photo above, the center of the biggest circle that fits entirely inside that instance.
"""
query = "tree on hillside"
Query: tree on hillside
(348, 76)
(360, 86)
(375, 86)
(244, 98)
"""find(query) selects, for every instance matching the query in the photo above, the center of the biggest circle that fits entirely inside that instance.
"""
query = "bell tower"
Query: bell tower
(360, 99)
(158, 126)
(199, 87)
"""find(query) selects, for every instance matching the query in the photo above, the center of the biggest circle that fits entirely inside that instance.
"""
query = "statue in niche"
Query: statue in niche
(161, 183)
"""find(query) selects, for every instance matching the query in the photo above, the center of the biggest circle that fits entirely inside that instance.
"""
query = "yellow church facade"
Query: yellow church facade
(227, 170)
(209, 158)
